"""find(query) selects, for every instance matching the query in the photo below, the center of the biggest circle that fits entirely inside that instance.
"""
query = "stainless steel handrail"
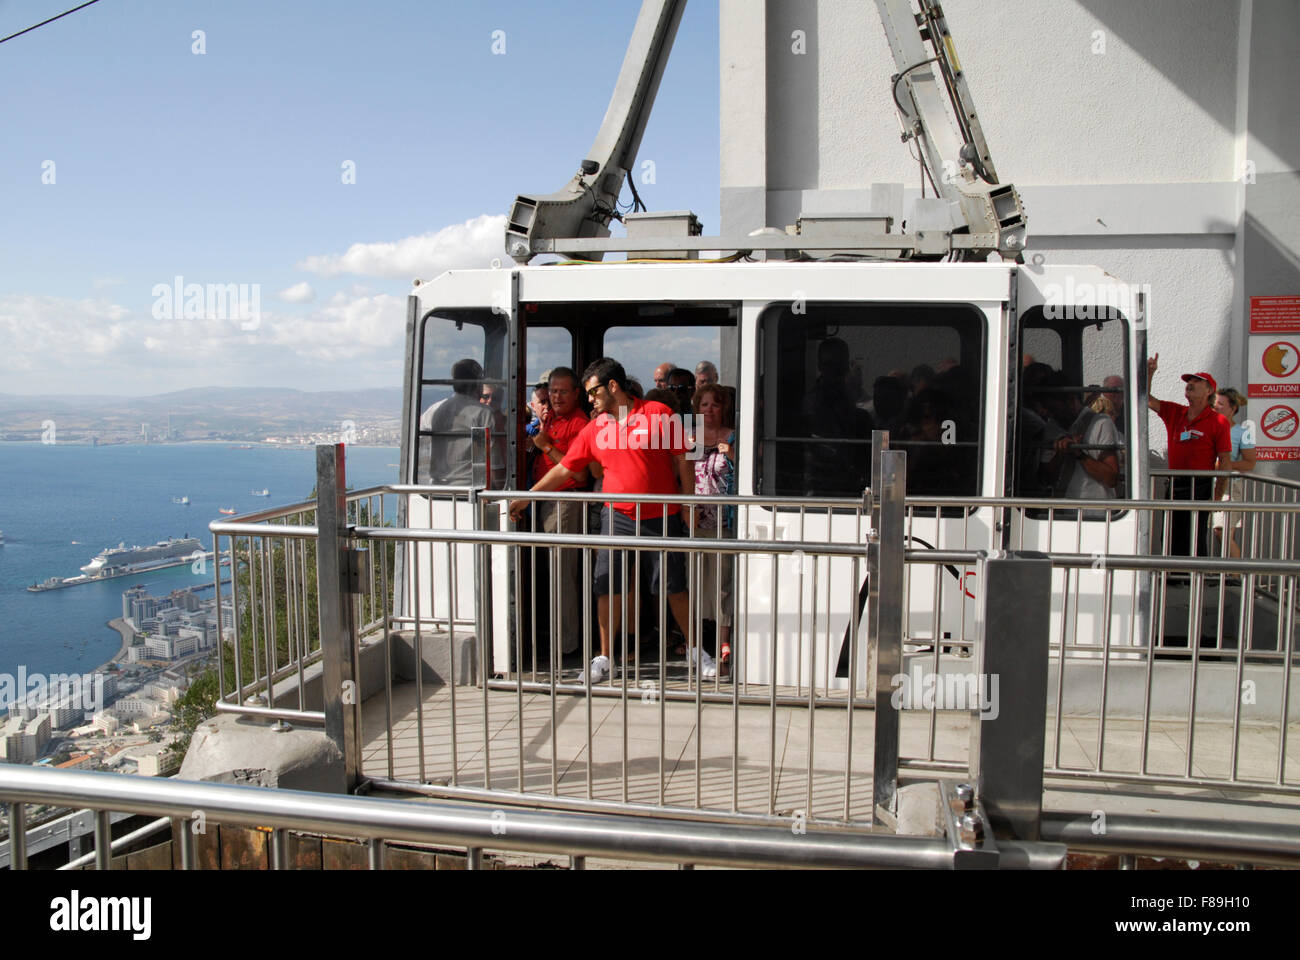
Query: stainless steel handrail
(479, 827)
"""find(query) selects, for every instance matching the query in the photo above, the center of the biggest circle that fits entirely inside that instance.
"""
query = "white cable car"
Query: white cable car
(969, 327)
(849, 324)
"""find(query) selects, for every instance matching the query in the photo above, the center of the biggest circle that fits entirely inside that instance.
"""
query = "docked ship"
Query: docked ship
(122, 559)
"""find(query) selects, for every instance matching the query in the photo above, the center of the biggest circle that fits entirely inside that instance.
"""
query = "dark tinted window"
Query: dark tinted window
(448, 409)
(1071, 386)
(832, 373)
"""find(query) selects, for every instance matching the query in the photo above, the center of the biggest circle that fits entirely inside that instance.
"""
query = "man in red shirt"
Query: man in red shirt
(562, 420)
(1199, 439)
(639, 447)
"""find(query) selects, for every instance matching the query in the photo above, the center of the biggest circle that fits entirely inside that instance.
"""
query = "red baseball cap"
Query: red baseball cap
(1214, 386)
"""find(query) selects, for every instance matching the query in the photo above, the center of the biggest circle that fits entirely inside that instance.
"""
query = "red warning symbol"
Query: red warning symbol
(1279, 423)
(1280, 359)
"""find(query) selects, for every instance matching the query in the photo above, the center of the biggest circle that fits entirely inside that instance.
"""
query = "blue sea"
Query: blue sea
(61, 504)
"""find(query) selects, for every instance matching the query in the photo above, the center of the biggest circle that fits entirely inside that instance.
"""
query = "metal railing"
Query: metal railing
(835, 605)
(792, 727)
(474, 828)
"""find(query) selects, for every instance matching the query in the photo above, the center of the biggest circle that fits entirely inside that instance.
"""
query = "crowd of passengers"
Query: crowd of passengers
(603, 431)
(931, 412)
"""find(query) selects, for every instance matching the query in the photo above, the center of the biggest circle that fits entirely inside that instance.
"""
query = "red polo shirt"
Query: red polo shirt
(563, 431)
(1195, 445)
(639, 455)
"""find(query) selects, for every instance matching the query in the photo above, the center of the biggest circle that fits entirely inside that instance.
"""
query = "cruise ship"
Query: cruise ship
(123, 559)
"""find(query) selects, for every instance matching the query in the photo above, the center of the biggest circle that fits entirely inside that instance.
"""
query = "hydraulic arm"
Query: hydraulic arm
(972, 215)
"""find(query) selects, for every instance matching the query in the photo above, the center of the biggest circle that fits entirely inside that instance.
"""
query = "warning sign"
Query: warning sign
(1275, 314)
(1279, 423)
(1278, 435)
(1274, 369)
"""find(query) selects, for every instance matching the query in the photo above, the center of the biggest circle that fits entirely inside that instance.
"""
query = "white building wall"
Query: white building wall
(1127, 128)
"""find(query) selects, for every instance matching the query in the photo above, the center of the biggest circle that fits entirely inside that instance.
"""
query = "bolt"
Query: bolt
(962, 799)
(971, 831)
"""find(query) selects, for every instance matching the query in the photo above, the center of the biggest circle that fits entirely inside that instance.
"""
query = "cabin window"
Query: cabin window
(548, 348)
(833, 373)
(1072, 373)
(642, 348)
(471, 342)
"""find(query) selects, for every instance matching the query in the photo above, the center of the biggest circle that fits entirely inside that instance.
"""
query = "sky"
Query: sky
(316, 155)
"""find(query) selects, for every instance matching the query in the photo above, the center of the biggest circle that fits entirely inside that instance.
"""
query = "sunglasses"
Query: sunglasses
(592, 391)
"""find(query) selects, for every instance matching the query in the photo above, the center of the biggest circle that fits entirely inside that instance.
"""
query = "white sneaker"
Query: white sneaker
(599, 670)
(708, 669)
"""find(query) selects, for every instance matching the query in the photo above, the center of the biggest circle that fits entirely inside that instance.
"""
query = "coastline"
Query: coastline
(127, 634)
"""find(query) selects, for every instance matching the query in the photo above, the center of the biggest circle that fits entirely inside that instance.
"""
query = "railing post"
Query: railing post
(18, 836)
(1008, 734)
(103, 840)
(481, 447)
(339, 693)
(885, 610)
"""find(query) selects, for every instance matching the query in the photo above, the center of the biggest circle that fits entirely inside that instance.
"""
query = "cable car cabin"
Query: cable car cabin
(961, 363)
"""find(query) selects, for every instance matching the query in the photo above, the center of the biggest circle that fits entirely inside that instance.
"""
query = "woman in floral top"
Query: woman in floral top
(715, 475)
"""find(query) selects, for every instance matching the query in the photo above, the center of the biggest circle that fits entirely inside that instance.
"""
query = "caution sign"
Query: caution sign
(1274, 369)
(1277, 432)
(1275, 314)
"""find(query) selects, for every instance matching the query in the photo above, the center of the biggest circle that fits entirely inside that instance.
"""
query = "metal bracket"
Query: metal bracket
(967, 826)
(357, 569)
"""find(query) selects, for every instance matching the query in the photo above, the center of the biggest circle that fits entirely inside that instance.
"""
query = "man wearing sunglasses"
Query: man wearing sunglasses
(639, 447)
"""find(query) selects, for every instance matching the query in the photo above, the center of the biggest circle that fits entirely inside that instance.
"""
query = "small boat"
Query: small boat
(183, 501)
(260, 493)
(229, 513)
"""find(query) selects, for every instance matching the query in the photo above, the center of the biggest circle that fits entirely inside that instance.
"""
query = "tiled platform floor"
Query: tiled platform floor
(757, 760)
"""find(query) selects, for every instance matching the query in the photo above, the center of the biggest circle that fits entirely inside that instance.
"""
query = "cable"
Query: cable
(900, 76)
(636, 197)
(51, 20)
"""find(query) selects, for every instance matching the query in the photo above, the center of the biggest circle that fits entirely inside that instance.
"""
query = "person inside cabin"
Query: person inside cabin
(929, 435)
(1114, 390)
(715, 475)
(1228, 402)
(667, 397)
(1038, 432)
(538, 406)
(639, 447)
(561, 423)
(831, 412)
(705, 373)
(538, 401)
(448, 453)
(661, 374)
(493, 397)
(1091, 466)
(682, 383)
(888, 403)
(1199, 438)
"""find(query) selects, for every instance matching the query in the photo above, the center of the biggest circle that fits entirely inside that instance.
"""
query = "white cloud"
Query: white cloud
(474, 243)
(55, 344)
(298, 293)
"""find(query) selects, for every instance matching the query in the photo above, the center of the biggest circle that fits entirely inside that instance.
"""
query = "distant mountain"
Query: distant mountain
(196, 413)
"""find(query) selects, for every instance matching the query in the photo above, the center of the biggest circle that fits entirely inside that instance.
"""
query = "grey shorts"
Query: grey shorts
(617, 524)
